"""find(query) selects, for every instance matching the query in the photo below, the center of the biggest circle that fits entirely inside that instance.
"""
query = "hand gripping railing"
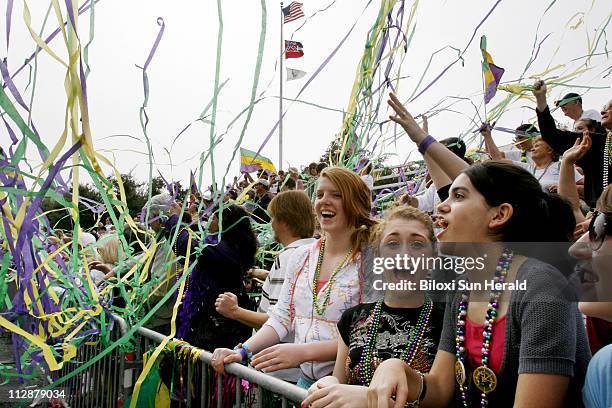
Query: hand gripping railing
(286, 391)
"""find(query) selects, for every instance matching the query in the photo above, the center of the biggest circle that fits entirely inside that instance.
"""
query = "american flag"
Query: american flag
(292, 12)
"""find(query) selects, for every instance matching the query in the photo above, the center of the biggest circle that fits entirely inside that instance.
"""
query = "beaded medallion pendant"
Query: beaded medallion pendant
(484, 378)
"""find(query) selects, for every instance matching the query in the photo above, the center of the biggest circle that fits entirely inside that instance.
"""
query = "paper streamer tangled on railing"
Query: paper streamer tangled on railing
(50, 304)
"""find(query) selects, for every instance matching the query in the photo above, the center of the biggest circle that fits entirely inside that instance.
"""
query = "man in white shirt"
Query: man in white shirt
(571, 105)
(293, 224)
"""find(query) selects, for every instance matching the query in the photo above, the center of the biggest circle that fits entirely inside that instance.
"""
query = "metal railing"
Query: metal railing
(284, 390)
(102, 384)
(110, 381)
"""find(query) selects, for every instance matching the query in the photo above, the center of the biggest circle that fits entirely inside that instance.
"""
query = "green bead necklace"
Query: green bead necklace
(412, 346)
(320, 309)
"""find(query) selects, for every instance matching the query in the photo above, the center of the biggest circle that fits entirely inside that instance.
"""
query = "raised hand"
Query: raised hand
(405, 120)
(579, 149)
(227, 305)
(485, 130)
(539, 88)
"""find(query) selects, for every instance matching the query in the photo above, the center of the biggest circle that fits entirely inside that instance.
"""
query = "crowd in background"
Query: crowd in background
(319, 326)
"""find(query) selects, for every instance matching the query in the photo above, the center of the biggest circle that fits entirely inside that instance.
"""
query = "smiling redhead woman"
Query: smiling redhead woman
(323, 280)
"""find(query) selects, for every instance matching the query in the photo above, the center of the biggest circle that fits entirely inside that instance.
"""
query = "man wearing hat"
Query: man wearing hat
(571, 105)
(261, 199)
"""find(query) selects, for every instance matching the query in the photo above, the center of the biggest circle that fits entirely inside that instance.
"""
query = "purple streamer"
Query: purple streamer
(460, 55)
(86, 6)
(11, 86)
(9, 12)
(11, 133)
(23, 248)
(160, 22)
(71, 17)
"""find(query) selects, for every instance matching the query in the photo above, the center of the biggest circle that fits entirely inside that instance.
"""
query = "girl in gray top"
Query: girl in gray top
(531, 350)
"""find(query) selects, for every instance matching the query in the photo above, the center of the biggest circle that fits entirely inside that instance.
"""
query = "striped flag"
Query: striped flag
(292, 12)
(293, 49)
(250, 161)
(492, 73)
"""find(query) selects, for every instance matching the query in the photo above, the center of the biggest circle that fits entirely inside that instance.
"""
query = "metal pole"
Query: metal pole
(219, 390)
(204, 390)
(238, 392)
(189, 390)
(280, 100)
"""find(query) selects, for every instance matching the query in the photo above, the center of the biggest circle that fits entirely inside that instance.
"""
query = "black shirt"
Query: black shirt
(392, 338)
(591, 163)
(260, 213)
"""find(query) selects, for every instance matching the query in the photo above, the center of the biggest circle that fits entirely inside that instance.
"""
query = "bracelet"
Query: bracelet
(423, 388)
(425, 143)
(415, 403)
(243, 349)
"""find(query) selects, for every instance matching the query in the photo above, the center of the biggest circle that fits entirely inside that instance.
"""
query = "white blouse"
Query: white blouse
(294, 310)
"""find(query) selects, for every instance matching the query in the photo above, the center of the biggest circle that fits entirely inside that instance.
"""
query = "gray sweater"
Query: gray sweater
(545, 334)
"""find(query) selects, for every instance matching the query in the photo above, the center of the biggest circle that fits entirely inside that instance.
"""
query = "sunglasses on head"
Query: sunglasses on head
(600, 226)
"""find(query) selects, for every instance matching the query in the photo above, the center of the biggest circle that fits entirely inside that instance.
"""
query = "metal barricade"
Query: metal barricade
(100, 385)
(286, 394)
(110, 381)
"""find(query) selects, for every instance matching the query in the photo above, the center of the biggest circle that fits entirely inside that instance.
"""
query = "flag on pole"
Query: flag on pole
(292, 12)
(294, 74)
(250, 161)
(293, 49)
(492, 73)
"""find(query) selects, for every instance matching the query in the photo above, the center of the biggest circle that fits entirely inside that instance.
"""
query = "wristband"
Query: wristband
(243, 354)
(425, 143)
(243, 349)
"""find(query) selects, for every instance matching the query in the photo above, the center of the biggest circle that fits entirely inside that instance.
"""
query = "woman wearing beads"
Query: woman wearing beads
(406, 324)
(324, 279)
(531, 350)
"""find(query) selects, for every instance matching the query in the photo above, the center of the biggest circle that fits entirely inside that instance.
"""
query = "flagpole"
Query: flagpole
(280, 100)
(484, 94)
(484, 97)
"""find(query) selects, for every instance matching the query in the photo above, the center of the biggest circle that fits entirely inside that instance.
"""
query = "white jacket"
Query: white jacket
(294, 310)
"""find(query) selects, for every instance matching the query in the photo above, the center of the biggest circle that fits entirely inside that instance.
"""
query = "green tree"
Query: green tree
(59, 215)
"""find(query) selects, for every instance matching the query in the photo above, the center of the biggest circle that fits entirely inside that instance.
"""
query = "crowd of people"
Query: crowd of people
(319, 325)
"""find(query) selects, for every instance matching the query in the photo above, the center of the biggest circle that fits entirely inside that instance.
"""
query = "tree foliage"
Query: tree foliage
(91, 206)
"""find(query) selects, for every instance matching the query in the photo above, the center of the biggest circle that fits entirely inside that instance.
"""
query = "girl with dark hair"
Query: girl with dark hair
(531, 350)
(218, 268)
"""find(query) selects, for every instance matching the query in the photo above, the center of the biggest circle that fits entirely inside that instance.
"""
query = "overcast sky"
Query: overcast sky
(182, 72)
